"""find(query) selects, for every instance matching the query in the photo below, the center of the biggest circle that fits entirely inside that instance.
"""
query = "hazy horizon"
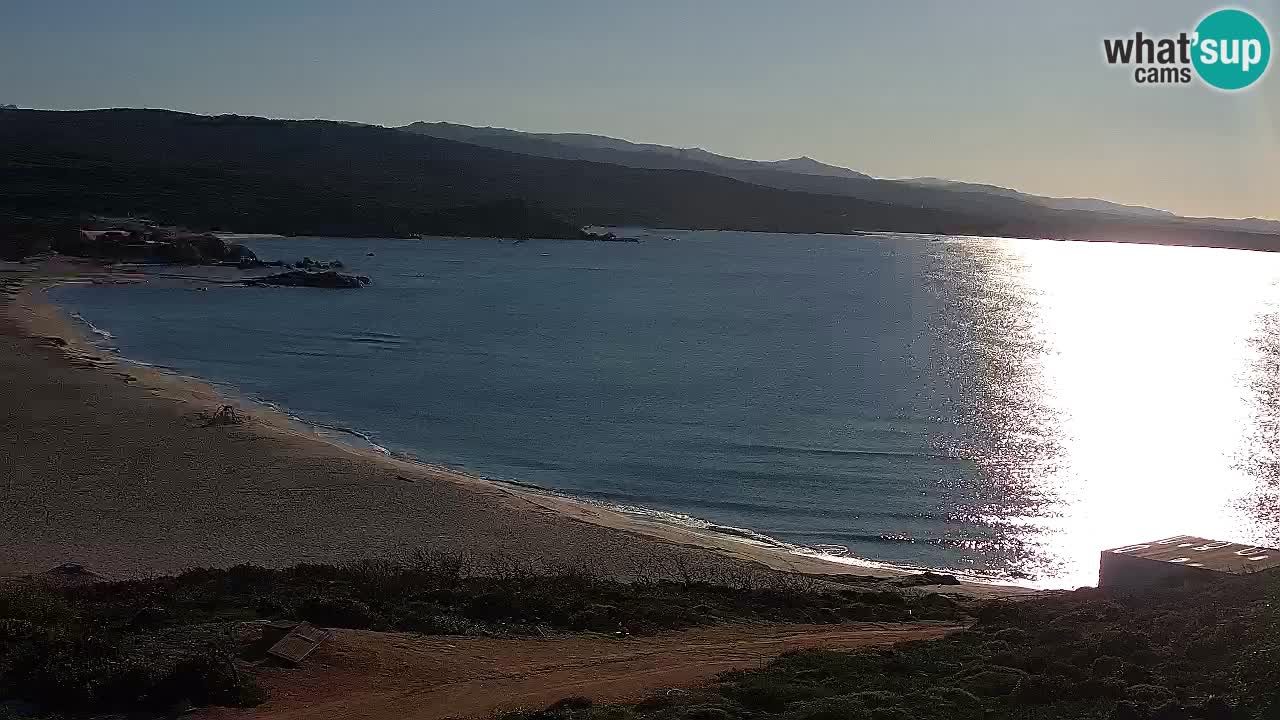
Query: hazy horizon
(1001, 94)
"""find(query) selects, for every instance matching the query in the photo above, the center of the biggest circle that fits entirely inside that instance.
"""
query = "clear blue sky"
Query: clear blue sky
(1011, 92)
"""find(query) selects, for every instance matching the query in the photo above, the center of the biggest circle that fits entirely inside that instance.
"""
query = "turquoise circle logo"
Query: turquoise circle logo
(1232, 49)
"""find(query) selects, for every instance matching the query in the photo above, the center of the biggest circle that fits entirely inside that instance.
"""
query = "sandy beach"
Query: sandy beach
(115, 467)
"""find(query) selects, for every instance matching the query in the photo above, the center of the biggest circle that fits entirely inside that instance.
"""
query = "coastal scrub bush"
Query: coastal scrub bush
(1197, 651)
(339, 612)
(68, 655)
(94, 673)
(439, 592)
(209, 678)
(34, 605)
(163, 641)
(77, 673)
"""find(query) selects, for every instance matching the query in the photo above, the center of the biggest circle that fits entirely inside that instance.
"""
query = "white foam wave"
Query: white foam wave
(366, 437)
(94, 328)
(696, 523)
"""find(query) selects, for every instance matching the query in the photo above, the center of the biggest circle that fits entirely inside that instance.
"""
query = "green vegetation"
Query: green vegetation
(55, 654)
(1200, 651)
(168, 641)
(22, 237)
(1210, 651)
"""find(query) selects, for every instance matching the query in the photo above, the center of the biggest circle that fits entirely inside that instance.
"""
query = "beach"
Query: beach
(115, 467)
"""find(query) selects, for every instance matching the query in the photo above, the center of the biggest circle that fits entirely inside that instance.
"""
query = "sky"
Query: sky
(1007, 92)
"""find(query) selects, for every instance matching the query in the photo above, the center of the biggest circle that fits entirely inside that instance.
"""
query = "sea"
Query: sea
(999, 408)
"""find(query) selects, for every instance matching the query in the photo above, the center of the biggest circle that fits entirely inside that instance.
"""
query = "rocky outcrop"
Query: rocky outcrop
(302, 278)
(240, 255)
(138, 242)
(605, 237)
(307, 263)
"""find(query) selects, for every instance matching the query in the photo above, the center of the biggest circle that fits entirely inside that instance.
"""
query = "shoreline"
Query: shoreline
(39, 317)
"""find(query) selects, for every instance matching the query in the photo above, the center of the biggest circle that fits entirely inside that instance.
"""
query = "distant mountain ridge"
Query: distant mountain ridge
(320, 177)
(600, 148)
(806, 174)
(1088, 204)
(341, 179)
(1106, 206)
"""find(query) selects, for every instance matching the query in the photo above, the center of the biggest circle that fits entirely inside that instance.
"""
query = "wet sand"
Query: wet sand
(115, 467)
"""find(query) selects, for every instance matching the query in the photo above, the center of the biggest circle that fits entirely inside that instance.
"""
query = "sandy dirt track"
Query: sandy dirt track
(397, 676)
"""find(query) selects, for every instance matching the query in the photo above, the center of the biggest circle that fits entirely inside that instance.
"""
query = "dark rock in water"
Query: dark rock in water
(606, 237)
(188, 249)
(303, 278)
(307, 263)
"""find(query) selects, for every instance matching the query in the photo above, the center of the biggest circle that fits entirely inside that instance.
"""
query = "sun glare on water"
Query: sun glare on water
(1156, 365)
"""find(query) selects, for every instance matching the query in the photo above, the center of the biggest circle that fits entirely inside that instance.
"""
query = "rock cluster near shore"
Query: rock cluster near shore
(306, 263)
(132, 240)
(136, 241)
(304, 278)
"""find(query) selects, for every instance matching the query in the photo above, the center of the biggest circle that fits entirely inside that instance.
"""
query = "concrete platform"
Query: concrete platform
(1184, 556)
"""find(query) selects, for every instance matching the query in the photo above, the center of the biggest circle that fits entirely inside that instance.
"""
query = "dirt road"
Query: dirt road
(397, 676)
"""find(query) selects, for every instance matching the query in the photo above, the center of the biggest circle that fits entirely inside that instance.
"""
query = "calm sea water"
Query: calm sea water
(998, 407)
